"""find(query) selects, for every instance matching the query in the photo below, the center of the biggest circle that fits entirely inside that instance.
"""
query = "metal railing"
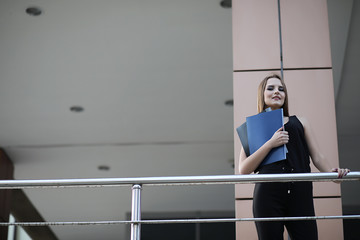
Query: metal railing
(138, 182)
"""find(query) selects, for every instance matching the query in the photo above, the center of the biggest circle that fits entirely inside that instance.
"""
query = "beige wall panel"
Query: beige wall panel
(305, 33)
(255, 34)
(245, 230)
(311, 95)
(327, 229)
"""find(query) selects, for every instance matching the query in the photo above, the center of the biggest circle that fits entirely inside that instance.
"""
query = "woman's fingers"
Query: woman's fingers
(280, 137)
(346, 171)
(284, 137)
(341, 171)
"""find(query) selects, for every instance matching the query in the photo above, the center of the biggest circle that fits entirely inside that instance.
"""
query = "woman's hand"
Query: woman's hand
(279, 138)
(341, 171)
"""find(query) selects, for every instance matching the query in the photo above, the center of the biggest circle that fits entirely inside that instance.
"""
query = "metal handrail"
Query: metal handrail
(176, 221)
(138, 182)
(178, 180)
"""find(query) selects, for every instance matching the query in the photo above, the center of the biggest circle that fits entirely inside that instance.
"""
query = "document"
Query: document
(258, 129)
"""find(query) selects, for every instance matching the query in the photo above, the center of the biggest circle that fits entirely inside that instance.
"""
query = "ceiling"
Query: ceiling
(152, 78)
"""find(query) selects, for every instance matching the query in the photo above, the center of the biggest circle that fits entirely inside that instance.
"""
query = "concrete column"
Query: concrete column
(307, 70)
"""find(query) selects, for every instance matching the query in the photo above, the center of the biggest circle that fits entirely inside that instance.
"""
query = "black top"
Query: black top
(298, 151)
(298, 156)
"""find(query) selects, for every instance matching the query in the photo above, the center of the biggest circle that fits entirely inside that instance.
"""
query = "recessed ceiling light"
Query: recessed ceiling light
(229, 102)
(231, 162)
(34, 11)
(104, 168)
(225, 3)
(77, 109)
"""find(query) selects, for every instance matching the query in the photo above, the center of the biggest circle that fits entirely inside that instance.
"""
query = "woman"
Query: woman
(291, 199)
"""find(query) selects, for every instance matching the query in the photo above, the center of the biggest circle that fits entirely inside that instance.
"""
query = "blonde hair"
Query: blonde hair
(261, 106)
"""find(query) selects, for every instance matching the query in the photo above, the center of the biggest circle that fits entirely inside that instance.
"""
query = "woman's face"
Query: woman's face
(274, 94)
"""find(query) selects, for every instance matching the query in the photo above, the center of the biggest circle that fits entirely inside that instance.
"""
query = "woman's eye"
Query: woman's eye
(281, 89)
(270, 88)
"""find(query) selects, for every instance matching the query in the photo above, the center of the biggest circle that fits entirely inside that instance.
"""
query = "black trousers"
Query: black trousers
(284, 200)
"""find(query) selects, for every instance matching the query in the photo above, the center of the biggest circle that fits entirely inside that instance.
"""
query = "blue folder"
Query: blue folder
(242, 132)
(260, 128)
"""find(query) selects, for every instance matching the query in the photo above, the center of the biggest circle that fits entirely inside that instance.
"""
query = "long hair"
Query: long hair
(261, 106)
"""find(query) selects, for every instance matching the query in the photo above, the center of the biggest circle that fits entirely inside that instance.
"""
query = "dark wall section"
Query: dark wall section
(17, 203)
(6, 173)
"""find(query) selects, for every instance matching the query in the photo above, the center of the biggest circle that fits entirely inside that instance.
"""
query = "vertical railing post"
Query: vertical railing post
(136, 211)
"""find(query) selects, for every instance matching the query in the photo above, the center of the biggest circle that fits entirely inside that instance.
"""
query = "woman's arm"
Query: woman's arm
(317, 157)
(248, 164)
